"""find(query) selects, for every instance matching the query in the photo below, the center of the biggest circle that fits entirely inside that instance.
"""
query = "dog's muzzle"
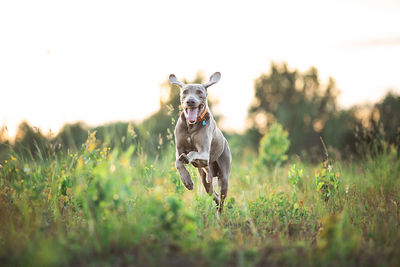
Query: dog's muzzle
(192, 113)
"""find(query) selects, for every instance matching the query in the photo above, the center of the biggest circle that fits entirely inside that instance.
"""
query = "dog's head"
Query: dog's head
(194, 96)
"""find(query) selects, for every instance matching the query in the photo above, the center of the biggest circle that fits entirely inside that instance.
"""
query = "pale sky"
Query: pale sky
(102, 61)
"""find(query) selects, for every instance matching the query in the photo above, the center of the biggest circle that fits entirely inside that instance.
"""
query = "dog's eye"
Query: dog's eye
(185, 92)
(199, 92)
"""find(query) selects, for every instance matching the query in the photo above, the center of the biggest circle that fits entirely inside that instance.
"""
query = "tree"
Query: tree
(30, 142)
(4, 144)
(296, 100)
(72, 136)
(385, 114)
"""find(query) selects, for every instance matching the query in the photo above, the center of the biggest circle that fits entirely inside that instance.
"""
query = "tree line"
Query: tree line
(306, 107)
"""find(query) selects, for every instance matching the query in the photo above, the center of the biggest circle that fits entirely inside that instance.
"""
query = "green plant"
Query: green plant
(327, 181)
(295, 174)
(278, 207)
(273, 146)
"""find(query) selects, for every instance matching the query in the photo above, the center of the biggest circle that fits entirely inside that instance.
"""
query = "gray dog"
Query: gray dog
(199, 141)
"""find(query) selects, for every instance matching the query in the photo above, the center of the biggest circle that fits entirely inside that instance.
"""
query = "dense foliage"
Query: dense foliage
(102, 206)
(308, 109)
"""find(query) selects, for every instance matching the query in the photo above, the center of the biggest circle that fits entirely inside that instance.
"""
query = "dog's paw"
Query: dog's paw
(188, 183)
(200, 163)
(184, 158)
(187, 180)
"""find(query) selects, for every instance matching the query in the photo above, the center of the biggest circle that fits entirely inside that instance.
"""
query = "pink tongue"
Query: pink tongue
(192, 114)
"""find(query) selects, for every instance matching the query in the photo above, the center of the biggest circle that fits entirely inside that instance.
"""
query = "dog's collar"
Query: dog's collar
(201, 117)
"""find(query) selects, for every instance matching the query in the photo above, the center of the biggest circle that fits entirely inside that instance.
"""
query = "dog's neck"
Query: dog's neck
(202, 118)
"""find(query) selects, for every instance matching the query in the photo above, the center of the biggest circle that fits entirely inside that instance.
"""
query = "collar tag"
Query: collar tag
(204, 122)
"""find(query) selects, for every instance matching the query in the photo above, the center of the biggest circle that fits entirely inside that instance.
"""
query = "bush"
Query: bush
(274, 145)
(327, 181)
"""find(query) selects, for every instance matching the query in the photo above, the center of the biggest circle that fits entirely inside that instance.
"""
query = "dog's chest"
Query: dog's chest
(189, 143)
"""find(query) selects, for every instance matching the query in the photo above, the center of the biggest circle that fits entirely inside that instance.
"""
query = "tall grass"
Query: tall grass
(99, 206)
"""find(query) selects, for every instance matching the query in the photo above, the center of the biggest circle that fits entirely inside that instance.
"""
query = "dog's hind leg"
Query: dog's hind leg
(224, 164)
(223, 191)
(210, 173)
(208, 186)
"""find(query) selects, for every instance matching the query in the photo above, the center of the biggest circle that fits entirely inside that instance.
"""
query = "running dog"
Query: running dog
(199, 141)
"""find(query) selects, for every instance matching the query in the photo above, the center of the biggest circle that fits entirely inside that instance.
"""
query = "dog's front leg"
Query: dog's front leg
(201, 157)
(185, 176)
(181, 159)
(198, 162)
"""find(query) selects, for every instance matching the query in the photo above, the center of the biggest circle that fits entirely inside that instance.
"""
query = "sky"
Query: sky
(104, 61)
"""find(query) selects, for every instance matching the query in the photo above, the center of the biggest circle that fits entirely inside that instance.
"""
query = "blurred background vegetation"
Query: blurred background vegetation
(304, 105)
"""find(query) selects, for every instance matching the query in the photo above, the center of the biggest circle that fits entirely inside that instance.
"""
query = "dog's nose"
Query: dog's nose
(190, 102)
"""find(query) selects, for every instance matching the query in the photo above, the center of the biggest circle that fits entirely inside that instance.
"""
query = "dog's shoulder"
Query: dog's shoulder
(181, 124)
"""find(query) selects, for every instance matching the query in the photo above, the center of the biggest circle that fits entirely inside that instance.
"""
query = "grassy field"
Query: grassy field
(103, 207)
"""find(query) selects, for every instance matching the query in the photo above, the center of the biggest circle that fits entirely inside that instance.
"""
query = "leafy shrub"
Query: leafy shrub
(327, 181)
(295, 176)
(278, 206)
(274, 145)
(173, 223)
(283, 206)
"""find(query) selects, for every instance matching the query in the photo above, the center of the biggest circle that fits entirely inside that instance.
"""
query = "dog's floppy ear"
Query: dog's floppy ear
(213, 79)
(174, 80)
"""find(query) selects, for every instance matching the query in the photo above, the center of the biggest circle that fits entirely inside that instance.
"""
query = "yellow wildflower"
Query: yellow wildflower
(124, 162)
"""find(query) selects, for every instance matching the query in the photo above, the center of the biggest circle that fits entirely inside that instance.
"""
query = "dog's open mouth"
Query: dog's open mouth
(193, 113)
